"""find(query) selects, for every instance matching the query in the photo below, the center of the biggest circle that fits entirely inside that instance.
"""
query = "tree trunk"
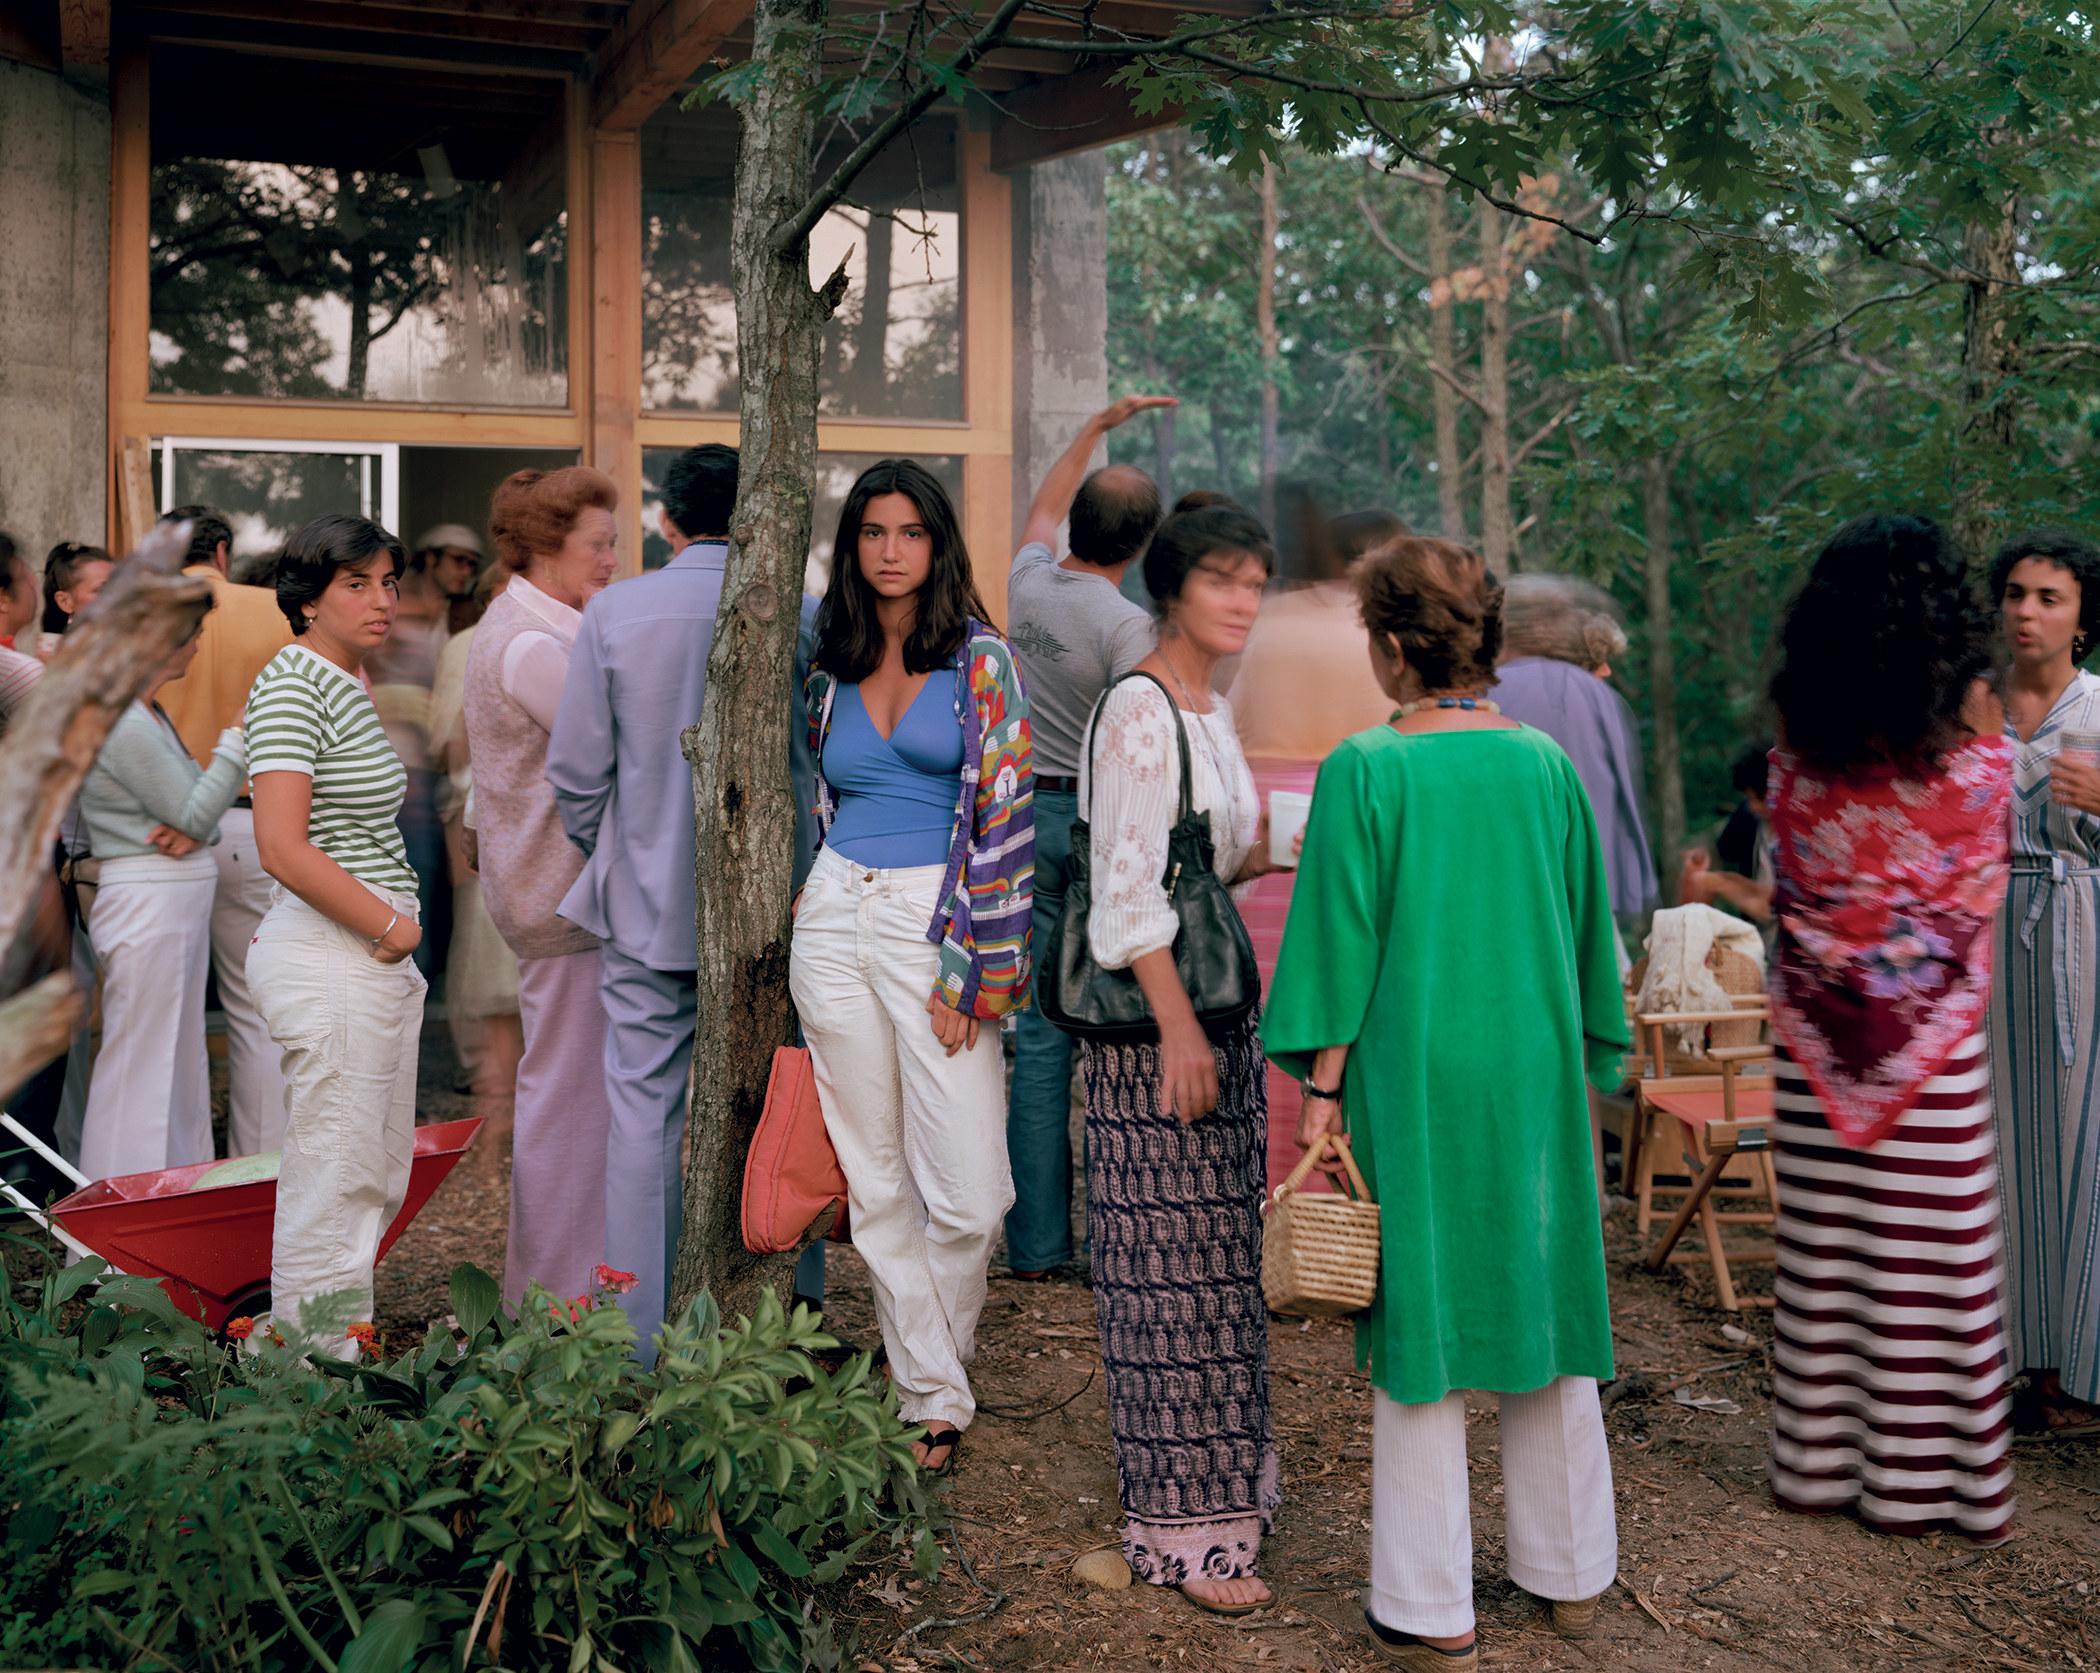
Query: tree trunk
(743, 807)
(1265, 323)
(870, 375)
(1443, 353)
(1989, 370)
(1495, 538)
(360, 289)
(1662, 661)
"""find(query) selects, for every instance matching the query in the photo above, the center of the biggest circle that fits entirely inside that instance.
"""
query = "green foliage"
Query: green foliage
(529, 1499)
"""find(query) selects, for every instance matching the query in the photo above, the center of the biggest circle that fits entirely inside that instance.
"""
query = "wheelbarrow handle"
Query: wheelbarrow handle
(44, 1150)
(80, 1250)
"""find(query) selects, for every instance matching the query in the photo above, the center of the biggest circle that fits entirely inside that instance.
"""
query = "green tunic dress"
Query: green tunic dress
(1450, 921)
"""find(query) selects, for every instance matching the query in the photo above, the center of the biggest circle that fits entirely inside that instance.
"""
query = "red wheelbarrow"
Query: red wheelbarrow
(209, 1242)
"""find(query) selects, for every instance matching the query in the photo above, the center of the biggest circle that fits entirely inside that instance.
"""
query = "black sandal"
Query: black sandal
(946, 1437)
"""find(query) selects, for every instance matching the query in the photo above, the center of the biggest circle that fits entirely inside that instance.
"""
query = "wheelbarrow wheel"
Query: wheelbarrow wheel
(249, 1304)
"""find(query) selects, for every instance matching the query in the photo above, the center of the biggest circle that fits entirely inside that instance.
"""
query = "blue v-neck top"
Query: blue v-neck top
(896, 795)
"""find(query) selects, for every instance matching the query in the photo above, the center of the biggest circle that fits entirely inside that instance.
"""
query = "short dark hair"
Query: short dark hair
(1751, 769)
(1442, 604)
(332, 541)
(1879, 647)
(62, 567)
(700, 489)
(1113, 515)
(208, 529)
(2066, 550)
(1187, 538)
(1202, 499)
(849, 634)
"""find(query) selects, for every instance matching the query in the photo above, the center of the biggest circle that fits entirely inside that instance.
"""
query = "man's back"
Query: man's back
(1072, 633)
(243, 632)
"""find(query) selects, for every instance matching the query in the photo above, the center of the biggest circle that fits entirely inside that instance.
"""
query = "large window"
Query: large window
(894, 350)
(323, 232)
(267, 489)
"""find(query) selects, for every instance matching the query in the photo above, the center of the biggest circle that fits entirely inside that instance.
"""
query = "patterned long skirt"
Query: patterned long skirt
(1890, 1394)
(1174, 1221)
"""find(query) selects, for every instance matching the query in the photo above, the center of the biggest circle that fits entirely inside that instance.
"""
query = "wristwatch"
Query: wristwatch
(1307, 1087)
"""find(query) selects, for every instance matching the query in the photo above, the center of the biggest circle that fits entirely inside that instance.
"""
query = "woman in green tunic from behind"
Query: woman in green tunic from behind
(1447, 981)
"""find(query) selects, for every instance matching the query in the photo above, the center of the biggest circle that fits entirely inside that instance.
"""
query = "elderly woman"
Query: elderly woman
(554, 532)
(1175, 1129)
(329, 966)
(1448, 836)
(149, 1103)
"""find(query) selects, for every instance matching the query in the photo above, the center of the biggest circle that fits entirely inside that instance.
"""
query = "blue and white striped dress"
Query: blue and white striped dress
(2045, 1049)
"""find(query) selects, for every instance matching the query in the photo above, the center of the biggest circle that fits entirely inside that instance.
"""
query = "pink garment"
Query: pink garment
(557, 1169)
(1265, 909)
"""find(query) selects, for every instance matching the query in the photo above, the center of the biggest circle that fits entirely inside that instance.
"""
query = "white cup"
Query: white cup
(1287, 811)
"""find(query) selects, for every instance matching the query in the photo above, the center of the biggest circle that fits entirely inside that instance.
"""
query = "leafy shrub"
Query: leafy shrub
(533, 1499)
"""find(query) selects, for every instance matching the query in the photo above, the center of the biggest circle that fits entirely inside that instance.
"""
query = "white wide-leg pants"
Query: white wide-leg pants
(257, 1099)
(149, 1100)
(349, 1028)
(1562, 1531)
(921, 1135)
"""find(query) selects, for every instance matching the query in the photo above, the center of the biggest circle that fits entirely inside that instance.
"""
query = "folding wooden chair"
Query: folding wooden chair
(1724, 1123)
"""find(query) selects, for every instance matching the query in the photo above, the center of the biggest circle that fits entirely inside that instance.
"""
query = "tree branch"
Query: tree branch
(1363, 202)
(1462, 391)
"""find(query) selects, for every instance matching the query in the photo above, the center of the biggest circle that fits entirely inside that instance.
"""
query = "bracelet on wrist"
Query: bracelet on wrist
(380, 939)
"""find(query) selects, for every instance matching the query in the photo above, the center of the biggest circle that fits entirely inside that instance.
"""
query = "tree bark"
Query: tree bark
(1265, 323)
(1662, 660)
(1989, 373)
(1496, 540)
(870, 371)
(743, 805)
(1443, 355)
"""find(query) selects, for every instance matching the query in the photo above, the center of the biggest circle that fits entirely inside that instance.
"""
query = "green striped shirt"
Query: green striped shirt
(305, 715)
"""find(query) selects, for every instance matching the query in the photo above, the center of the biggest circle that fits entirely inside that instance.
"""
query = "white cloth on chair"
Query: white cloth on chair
(1678, 979)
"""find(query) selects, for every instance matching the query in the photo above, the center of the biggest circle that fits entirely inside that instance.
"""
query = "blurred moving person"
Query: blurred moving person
(73, 574)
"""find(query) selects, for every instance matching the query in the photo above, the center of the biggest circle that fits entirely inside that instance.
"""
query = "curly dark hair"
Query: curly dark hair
(1879, 648)
(1441, 602)
(2068, 551)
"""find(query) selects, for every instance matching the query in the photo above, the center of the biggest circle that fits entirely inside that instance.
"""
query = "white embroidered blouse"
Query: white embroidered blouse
(1133, 801)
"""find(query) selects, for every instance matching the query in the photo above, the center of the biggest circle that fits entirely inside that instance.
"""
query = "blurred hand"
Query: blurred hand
(2073, 784)
(1123, 411)
(1188, 1072)
(1695, 884)
(954, 1030)
(172, 842)
(1257, 863)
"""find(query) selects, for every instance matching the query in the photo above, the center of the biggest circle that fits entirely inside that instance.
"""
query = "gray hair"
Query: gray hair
(1563, 617)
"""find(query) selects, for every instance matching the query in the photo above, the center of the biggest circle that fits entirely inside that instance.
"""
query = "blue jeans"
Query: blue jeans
(1039, 1107)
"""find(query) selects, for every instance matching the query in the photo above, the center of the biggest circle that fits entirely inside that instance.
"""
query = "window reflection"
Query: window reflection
(894, 350)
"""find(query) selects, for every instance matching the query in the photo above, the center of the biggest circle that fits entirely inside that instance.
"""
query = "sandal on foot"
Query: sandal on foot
(947, 1438)
(1212, 1608)
(1404, 1649)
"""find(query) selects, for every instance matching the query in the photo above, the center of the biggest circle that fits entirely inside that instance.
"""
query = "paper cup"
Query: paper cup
(1287, 811)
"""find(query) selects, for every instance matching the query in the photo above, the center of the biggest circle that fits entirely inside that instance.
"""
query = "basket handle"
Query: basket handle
(1312, 1158)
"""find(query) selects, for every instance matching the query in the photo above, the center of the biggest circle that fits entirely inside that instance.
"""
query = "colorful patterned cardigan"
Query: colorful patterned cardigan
(988, 894)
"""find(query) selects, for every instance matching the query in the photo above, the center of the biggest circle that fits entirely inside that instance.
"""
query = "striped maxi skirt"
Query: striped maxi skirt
(1890, 1392)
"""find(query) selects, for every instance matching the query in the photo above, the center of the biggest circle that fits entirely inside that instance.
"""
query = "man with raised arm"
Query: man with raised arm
(1072, 632)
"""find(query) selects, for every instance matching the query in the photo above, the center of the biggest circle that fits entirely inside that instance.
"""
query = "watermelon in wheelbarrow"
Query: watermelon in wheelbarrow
(204, 1230)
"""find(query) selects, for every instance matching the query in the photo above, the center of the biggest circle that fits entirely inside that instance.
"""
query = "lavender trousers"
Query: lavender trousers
(557, 1167)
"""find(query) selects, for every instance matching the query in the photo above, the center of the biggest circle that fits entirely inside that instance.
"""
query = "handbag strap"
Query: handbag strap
(1181, 733)
(1312, 1159)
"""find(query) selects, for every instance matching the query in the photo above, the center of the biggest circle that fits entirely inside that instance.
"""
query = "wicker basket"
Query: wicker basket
(1319, 1251)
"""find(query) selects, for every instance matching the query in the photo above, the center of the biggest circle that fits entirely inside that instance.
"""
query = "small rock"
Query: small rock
(1104, 1569)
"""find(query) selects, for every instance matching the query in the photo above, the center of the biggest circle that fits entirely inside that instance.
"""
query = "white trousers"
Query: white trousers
(1562, 1532)
(257, 1098)
(348, 1027)
(921, 1135)
(149, 1101)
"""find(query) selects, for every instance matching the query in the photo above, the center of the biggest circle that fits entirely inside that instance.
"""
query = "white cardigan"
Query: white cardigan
(1132, 803)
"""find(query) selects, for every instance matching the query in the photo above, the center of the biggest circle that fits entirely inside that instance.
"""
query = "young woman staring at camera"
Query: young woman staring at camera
(2045, 1026)
(1176, 1131)
(912, 930)
(329, 966)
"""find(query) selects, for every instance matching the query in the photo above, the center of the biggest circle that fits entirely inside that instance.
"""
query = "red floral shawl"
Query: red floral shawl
(1887, 886)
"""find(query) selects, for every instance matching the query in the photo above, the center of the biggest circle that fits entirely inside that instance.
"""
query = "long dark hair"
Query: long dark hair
(1879, 648)
(849, 634)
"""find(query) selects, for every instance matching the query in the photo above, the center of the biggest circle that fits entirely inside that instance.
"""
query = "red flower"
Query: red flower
(240, 1329)
(362, 1334)
(612, 1278)
(570, 1312)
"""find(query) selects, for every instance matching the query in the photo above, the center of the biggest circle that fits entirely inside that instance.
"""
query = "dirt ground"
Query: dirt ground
(1710, 1575)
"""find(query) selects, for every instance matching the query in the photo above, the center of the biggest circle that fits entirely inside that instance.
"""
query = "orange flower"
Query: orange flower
(611, 1278)
(240, 1329)
(363, 1335)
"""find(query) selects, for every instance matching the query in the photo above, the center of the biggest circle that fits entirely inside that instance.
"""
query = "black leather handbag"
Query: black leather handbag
(1212, 953)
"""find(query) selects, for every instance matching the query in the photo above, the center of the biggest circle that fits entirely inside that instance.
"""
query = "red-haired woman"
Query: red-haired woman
(554, 530)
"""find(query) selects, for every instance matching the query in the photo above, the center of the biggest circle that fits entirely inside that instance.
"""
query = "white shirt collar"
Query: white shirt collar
(545, 606)
(321, 662)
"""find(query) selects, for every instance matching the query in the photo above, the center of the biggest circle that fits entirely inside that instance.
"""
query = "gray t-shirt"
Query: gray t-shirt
(1072, 633)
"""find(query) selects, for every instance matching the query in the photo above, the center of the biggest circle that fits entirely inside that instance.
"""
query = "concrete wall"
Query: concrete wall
(54, 309)
(1060, 312)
